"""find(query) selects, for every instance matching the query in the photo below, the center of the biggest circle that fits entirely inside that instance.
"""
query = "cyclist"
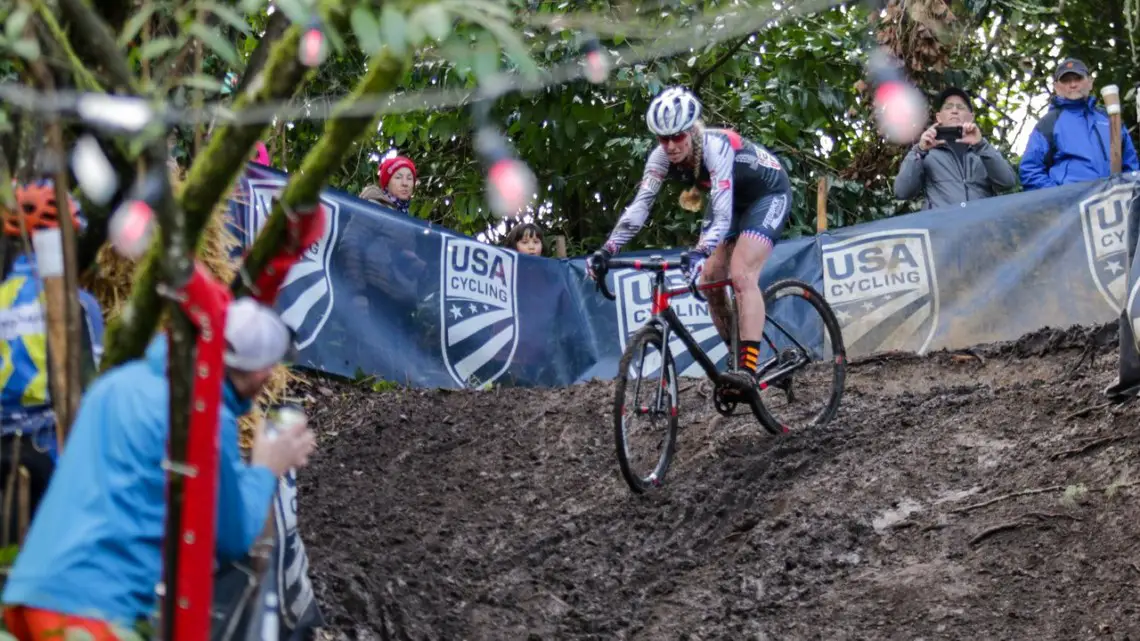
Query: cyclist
(27, 420)
(750, 197)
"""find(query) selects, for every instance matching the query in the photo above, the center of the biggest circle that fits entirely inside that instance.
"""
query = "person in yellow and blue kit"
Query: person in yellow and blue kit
(27, 421)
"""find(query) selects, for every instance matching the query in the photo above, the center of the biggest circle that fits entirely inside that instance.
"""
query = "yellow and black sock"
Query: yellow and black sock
(749, 355)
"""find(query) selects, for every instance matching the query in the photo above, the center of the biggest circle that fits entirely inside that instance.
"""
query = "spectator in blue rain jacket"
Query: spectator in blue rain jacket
(94, 550)
(1070, 144)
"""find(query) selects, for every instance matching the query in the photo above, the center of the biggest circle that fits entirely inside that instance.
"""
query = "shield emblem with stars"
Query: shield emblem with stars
(1104, 221)
(634, 291)
(479, 312)
(884, 291)
(306, 298)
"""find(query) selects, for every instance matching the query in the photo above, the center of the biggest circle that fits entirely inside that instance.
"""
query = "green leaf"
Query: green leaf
(213, 39)
(18, 19)
(203, 82)
(367, 30)
(28, 49)
(135, 24)
(251, 6)
(393, 25)
(434, 19)
(508, 38)
(294, 10)
(484, 6)
(229, 16)
(157, 47)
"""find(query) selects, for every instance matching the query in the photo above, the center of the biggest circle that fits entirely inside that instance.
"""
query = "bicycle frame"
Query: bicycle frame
(661, 311)
(664, 316)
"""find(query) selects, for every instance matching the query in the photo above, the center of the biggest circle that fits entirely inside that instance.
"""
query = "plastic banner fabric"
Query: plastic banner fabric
(387, 295)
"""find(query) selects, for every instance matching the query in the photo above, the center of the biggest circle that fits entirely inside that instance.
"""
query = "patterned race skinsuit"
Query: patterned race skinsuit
(751, 193)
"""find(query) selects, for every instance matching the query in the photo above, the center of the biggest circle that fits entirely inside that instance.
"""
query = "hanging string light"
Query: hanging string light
(93, 171)
(314, 47)
(900, 108)
(511, 184)
(595, 59)
(132, 226)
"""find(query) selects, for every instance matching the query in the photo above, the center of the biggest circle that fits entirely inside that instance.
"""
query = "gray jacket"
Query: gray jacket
(945, 179)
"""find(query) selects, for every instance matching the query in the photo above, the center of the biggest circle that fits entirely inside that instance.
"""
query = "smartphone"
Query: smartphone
(948, 134)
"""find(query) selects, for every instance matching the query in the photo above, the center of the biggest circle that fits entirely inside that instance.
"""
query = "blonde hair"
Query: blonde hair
(692, 199)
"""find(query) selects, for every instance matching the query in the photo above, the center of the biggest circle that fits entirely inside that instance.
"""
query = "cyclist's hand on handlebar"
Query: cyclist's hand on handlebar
(596, 264)
(696, 263)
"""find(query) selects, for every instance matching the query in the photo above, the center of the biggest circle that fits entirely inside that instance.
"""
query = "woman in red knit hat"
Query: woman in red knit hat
(397, 182)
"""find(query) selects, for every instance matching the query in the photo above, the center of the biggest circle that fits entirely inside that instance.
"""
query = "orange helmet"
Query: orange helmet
(40, 211)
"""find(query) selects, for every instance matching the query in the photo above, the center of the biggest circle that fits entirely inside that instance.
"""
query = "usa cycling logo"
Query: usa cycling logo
(306, 298)
(294, 590)
(634, 290)
(1104, 221)
(884, 291)
(479, 327)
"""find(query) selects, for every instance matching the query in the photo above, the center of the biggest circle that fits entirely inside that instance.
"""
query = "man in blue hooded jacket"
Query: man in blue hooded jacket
(1071, 142)
(93, 555)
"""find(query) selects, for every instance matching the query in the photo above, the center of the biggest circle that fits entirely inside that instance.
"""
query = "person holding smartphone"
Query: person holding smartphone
(952, 163)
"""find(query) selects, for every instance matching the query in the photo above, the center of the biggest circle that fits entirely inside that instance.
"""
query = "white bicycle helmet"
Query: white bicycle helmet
(674, 110)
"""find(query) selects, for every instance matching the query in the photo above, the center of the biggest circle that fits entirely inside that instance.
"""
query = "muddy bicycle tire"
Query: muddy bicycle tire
(833, 337)
(648, 335)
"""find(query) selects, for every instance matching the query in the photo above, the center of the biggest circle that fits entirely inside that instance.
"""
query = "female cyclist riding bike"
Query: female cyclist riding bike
(750, 198)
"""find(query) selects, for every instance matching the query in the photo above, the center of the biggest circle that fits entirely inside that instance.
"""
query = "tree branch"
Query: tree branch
(89, 30)
(384, 72)
(274, 30)
(207, 182)
(703, 75)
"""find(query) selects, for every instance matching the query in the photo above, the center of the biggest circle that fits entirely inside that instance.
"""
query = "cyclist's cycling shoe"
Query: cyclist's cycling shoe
(738, 385)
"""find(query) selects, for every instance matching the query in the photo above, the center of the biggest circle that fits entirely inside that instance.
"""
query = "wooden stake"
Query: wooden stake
(821, 205)
(48, 248)
(560, 246)
(1111, 95)
(25, 501)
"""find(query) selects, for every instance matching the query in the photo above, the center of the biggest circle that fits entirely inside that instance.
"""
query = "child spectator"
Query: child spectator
(396, 184)
(525, 238)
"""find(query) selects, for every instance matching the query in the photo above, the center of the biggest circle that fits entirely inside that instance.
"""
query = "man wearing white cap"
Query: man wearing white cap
(93, 555)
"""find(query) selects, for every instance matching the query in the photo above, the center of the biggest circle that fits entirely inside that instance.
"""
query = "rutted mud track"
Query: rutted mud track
(501, 515)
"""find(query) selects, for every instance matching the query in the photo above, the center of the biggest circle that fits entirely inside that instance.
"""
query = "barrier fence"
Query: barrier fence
(393, 296)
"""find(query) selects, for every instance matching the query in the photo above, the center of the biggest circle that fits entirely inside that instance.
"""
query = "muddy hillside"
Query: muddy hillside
(985, 495)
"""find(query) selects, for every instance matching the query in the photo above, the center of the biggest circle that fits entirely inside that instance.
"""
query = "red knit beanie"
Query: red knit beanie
(391, 165)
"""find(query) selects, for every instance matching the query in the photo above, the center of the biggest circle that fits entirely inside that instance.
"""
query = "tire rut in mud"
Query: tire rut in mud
(501, 514)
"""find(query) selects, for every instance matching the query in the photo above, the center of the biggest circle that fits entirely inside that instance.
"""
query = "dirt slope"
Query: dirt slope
(501, 515)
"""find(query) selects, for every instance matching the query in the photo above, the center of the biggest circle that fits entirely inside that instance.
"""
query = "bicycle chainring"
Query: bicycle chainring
(725, 399)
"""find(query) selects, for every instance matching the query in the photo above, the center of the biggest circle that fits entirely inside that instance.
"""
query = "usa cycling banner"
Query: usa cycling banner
(388, 295)
(994, 270)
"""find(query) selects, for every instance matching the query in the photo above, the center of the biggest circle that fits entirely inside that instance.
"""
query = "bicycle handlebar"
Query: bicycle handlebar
(652, 264)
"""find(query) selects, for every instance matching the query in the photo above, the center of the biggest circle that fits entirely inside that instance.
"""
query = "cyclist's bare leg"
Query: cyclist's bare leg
(716, 268)
(752, 251)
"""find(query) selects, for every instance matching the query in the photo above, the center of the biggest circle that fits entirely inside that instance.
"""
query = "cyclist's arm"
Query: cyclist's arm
(634, 216)
(719, 158)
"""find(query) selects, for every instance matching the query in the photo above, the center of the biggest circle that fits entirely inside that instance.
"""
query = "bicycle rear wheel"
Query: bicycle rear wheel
(646, 368)
(804, 361)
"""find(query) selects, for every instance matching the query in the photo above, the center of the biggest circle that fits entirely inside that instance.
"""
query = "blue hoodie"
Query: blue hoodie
(95, 546)
(1080, 147)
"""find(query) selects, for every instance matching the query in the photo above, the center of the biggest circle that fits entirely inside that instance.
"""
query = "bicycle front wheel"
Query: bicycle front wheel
(804, 361)
(645, 425)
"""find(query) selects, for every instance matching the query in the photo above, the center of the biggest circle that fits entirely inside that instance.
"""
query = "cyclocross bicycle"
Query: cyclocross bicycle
(785, 359)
